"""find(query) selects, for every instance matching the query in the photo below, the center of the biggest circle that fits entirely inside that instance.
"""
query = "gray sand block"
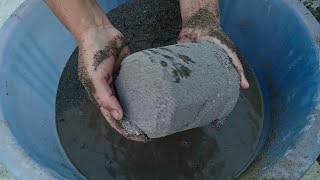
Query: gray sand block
(174, 88)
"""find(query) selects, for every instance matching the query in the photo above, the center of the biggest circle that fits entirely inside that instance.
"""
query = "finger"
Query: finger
(243, 81)
(116, 125)
(244, 84)
(187, 36)
(106, 99)
(123, 54)
(184, 40)
(113, 123)
(113, 88)
(192, 35)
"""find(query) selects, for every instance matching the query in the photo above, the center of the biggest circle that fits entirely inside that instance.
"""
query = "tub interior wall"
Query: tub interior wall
(36, 54)
(35, 61)
(269, 34)
(280, 48)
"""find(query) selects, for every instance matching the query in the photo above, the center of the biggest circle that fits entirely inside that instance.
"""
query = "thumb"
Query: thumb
(106, 99)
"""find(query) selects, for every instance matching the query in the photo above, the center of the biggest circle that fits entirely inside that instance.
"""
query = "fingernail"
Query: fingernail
(115, 114)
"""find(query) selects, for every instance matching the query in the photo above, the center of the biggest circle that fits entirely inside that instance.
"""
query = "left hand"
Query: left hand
(212, 32)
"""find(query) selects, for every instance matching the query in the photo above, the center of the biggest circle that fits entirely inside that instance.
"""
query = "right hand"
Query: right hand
(213, 34)
(101, 51)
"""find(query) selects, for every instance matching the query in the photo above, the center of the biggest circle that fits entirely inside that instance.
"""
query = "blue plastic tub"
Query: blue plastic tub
(280, 38)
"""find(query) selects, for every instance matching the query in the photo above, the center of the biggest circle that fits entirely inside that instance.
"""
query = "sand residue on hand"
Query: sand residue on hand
(203, 20)
(113, 48)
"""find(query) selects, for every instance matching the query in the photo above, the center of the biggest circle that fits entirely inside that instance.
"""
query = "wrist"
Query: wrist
(96, 35)
(206, 10)
(91, 30)
(202, 19)
(92, 21)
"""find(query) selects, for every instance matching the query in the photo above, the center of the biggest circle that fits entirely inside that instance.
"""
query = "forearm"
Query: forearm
(79, 15)
(190, 8)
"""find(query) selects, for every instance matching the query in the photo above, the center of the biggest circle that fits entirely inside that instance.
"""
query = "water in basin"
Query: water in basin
(202, 153)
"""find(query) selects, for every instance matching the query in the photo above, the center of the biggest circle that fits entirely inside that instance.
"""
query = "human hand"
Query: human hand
(204, 26)
(101, 51)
